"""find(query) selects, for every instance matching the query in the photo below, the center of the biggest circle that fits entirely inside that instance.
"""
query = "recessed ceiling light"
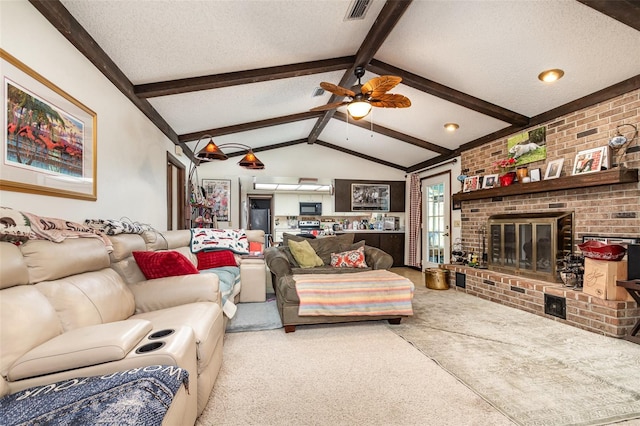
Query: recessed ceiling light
(451, 127)
(549, 76)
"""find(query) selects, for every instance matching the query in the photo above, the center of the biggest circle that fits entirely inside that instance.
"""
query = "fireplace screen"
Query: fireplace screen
(532, 245)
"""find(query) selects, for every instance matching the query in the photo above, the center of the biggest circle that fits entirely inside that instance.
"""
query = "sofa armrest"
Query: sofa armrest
(161, 293)
(376, 258)
(81, 347)
(277, 262)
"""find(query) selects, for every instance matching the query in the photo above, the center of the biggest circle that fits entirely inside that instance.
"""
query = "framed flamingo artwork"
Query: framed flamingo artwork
(49, 145)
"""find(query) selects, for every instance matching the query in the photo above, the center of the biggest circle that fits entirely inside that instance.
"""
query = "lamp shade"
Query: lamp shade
(211, 152)
(250, 161)
(358, 109)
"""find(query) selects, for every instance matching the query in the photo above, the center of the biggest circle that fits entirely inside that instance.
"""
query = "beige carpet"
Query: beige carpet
(491, 358)
(536, 370)
(348, 374)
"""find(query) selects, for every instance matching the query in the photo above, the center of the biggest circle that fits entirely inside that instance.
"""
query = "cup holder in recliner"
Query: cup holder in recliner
(161, 333)
(149, 347)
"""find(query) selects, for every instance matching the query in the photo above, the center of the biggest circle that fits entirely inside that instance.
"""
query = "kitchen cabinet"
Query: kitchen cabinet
(310, 198)
(286, 204)
(394, 245)
(389, 242)
(327, 205)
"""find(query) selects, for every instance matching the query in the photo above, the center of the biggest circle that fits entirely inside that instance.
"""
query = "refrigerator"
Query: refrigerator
(261, 219)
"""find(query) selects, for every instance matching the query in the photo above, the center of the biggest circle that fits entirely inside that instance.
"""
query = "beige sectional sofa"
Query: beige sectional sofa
(73, 309)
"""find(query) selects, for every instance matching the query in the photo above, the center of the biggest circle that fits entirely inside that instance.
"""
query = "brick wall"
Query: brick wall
(604, 210)
(609, 317)
(610, 210)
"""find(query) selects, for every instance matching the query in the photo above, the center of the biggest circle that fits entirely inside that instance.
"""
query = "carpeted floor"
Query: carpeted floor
(535, 370)
(345, 374)
(467, 362)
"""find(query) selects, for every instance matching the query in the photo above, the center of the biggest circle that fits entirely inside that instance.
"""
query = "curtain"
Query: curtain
(415, 219)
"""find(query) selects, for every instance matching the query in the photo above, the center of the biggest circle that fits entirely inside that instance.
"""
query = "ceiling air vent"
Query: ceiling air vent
(357, 10)
(318, 91)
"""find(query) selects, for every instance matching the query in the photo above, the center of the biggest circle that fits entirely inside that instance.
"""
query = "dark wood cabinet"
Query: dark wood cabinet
(392, 243)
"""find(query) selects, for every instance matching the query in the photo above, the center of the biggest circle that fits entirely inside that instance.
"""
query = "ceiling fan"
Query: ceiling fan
(364, 96)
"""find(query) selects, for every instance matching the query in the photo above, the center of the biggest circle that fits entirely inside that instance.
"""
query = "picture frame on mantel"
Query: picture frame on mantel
(54, 154)
(554, 169)
(591, 160)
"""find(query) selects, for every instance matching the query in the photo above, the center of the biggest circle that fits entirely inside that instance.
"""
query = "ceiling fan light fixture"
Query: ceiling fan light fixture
(451, 127)
(549, 76)
(211, 152)
(358, 109)
(251, 162)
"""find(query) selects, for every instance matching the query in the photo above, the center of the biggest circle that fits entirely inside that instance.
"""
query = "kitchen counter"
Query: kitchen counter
(368, 231)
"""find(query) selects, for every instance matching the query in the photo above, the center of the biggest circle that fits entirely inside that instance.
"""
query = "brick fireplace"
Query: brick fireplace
(607, 208)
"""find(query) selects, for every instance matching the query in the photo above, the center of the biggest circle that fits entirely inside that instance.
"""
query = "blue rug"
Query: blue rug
(255, 316)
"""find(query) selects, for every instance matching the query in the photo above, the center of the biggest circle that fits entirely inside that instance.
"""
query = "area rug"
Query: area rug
(339, 374)
(255, 316)
(535, 370)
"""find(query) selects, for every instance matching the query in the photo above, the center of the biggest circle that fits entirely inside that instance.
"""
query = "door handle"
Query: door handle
(446, 234)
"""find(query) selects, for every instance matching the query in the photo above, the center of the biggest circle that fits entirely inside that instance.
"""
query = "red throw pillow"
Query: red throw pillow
(215, 259)
(160, 264)
(349, 259)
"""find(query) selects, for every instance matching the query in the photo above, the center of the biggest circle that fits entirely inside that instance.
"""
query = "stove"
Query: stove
(309, 227)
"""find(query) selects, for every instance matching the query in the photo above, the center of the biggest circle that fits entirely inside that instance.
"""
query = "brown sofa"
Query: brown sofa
(283, 266)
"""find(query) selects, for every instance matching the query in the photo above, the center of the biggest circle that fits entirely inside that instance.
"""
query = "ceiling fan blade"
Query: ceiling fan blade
(380, 85)
(336, 90)
(329, 106)
(389, 100)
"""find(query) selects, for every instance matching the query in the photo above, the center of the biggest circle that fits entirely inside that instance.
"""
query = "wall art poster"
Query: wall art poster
(218, 193)
(49, 146)
(370, 197)
(528, 147)
(591, 160)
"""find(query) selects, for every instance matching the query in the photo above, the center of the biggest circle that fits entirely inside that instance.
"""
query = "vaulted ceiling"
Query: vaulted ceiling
(246, 71)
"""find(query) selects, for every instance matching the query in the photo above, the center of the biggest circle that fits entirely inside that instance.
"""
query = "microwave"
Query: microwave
(310, 209)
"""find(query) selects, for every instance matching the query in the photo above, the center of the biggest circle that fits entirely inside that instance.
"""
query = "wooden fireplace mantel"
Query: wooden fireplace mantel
(607, 177)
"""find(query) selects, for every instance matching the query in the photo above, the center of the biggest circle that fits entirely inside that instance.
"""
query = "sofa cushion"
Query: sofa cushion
(88, 299)
(304, 254)
(323, 246)
(349, 259)
(80, 348)
(163, 264)
(215, 259)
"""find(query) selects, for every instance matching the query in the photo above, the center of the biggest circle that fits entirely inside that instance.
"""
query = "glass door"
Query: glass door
(436, 209)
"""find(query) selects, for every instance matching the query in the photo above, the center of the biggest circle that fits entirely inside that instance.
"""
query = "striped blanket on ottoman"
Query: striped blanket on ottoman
(369, 293)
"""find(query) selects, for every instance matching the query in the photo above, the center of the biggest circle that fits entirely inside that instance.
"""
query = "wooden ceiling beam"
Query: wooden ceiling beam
(217, 81)
(70, 28)
(389, 16)
(220, 131)
(625, 11)
(392, 134)
(449, 94)
(360, 155)
(603, 95)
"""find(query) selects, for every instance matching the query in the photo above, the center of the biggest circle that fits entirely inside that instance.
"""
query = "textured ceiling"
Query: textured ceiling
(488, 52)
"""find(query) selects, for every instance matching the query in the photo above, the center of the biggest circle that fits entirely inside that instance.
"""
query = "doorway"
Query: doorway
(436, 225)
(259, 215)
(176, 198)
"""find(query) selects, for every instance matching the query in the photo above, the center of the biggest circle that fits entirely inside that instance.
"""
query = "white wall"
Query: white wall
(131, 151)
(302, 160)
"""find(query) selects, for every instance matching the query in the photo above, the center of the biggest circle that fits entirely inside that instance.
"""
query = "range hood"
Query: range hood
(312, 185)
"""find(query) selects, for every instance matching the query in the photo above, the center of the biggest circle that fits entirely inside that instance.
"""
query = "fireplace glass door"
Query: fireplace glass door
(532, 245)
